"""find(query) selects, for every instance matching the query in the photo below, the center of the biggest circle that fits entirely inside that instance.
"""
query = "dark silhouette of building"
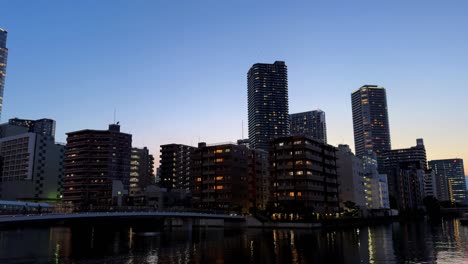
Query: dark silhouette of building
(141, 170)
(258, 179)
(42, 126)
(3, 64)
(175, 167)
(268, 107)
(406, 169)
(311, 123)
(220, 177)
(97, 167)
(370, 122)
(304, 175)
(450, 179)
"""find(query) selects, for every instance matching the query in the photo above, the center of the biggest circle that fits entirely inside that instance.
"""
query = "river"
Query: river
(410, 242)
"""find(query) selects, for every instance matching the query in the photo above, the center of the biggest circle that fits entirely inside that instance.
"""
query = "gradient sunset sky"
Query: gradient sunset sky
(175, 71)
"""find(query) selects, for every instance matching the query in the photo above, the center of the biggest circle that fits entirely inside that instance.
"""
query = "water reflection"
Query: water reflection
(422, 242)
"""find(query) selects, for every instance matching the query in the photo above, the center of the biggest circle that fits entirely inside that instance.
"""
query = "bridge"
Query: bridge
(171, 219)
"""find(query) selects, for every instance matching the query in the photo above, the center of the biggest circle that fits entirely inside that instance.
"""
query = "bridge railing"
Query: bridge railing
(103, 209)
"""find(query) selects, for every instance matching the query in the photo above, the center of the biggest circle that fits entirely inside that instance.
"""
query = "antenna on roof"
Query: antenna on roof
(114, 115)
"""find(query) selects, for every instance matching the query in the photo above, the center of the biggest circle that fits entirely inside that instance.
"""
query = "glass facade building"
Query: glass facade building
(450, 178)
(311, 123)
(3, 64)
(370, 121)
(268, 107)
(42, 126)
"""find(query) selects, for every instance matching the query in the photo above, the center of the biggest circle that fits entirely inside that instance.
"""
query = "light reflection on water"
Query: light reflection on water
(418, 242)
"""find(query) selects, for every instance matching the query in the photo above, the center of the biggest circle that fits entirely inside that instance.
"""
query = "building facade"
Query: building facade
(175, 167)
(141, 171)
(370, 121)
(406, 169)
(32, 166)
(220, 177)
(450, 179)
(311, 123)
(258, 179)
(3, 64)
(97, 167)
(375, 184)
(304, 176)
(42, 126)
(268, 107)
(350, 177)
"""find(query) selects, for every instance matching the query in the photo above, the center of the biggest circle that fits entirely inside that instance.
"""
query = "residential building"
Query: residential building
(3, 64)
(175, 167)
(268, 107)
(350, 177)
(430, 185)
(97, 167)
(141, 171)
(258, 179)
(32, 165)
(370, 122)
(244, 142)
(304, 175)
(220, 177)
(311, 123)
(450, 179)
(375, 184)
(406, 169)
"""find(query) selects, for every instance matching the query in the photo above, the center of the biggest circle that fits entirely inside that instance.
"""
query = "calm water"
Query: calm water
(445, 242)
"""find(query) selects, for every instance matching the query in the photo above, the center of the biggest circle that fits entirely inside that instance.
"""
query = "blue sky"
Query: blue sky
(175, 71)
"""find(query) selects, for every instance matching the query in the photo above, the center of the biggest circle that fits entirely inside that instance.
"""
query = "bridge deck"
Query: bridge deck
(51, 216)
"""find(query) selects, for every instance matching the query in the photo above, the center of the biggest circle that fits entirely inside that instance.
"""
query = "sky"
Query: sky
(176, 71)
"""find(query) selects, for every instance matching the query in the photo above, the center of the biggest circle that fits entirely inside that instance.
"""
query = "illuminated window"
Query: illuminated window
(299, 162)
(300, 173)
(219, 178)
(219, 187)
(219, 151)
(291, 194)
(219, 160)
(198, 179)
(299, 194)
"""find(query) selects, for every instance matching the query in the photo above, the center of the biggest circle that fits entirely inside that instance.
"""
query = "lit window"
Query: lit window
(219, 187)
(219, 160)
(291, 194)
(219, 151)
(198, 179)
(219, 178)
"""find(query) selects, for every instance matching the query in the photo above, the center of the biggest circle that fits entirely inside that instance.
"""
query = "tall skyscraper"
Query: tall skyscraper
(268, 107)
(311, 123)
(450, 179)
(370, 121)
(3, 64)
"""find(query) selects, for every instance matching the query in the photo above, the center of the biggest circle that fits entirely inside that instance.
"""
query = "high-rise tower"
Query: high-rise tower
(267, 103)
(370, 121)
(3, 64)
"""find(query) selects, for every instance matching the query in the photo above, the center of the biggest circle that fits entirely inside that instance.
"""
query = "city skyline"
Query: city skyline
(82, 70)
